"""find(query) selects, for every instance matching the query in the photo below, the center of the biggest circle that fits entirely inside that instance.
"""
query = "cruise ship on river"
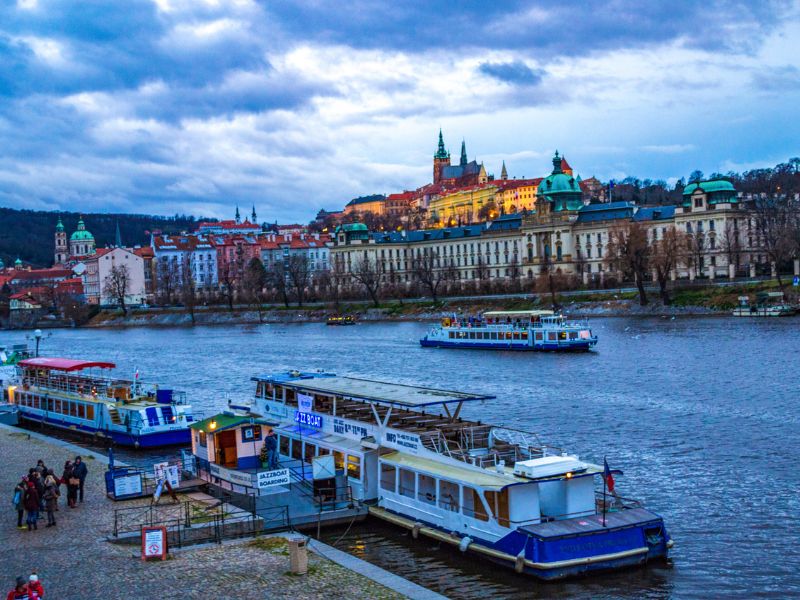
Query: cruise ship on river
(68, 394)
(541, 330)
(495, 492)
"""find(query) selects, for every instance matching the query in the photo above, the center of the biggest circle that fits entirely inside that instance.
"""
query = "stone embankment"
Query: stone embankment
(75, 562)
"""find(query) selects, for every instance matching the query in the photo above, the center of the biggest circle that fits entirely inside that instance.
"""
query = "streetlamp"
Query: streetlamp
(38, 337)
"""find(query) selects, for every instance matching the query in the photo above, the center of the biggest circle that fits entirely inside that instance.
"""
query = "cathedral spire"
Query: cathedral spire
(504, 172)
(253, 218)
(441, 152)
(118, 237)
(238, 216)
(464, 160)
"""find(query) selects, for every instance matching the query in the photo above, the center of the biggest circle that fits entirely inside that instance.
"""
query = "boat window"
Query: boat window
(324, 451)
(562, 335)
(310, 452)
(494, 335)
(551, 335)
(426, 489)
(573, 335)
(448, 495)
(90, 412)
(338, 460)
(58, 406)
(508, 335)
(203, 441)
(291, 397)
(539, 337)
(283, 445)
(472, 504)
(451, 334)
(516, 335)
(297, 449)
(353, 466)
(81, 411)
(407, 483)
(73, 409)
(498, 504)
(524, 335)
(388, 478)
(36, 402)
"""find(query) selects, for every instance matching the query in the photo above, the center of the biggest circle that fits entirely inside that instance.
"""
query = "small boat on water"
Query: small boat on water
(11, 355)
(767, 304)
(496, 492)
(341, 320)
(67, 394)
(542, 330)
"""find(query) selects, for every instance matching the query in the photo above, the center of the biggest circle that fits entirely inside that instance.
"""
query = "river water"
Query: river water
(700, 414)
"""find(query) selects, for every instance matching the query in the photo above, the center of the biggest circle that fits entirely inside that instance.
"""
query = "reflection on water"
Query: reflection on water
(700, 414)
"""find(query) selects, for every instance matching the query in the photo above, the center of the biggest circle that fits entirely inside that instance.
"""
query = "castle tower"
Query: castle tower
(62, 249)
(464, 160)
(504, 172)
(440, 160)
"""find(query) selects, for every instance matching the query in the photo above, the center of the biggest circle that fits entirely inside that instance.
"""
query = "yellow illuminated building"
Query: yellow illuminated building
(461, 206)
(516, 195)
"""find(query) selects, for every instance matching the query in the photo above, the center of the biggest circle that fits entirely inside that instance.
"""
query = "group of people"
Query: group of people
(38, 492)
(31, 589)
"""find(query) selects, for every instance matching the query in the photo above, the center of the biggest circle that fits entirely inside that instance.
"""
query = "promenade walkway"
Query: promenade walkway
(75, 562)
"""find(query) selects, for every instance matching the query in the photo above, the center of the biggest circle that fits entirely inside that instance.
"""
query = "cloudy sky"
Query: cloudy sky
(193, 106)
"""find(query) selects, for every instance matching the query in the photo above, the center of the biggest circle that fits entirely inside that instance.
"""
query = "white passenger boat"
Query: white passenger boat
(492, 491)
(67, 394)
(541, 330)
(767, 304)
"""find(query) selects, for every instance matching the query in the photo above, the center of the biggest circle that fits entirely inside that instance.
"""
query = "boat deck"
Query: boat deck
(591, 523)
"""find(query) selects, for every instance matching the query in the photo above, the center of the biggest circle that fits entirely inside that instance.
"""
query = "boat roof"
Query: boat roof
(590, 523)
(483, 478)
(64, 364)
(510, 313)
(224, 421)
(370, 390)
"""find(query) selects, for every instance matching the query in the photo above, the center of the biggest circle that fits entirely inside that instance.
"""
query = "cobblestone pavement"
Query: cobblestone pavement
(75, 562)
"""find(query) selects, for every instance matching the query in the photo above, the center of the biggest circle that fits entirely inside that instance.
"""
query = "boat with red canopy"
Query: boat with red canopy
(76, 395)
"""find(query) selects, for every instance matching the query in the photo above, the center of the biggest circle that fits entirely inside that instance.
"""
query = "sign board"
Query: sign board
(305, 403)
(128, 485)
(323, 467)
(796, 281)
(171, 473)
(154, 543)
(232, 476)
(268, 479)
(403, 441)
(308, 419)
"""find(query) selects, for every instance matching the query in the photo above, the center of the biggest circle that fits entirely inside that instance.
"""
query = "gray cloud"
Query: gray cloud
(516, 72)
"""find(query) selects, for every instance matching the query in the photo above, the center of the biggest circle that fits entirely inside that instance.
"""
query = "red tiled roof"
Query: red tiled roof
(565, 165)
(144, 252)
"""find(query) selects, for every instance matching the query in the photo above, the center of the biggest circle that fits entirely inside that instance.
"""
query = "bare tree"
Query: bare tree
(428, 272)
(665, 255)
(227, 279)
(299, 271)
(628, 251)
(695, 250)
(253, 284)
(167, 280)
(116, 286)
(732, 244)
(277, 277)
(775, 222)
(369, 274)
(514, 273)
(187, 286)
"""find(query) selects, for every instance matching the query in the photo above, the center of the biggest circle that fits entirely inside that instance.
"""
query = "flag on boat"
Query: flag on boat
(136, 373)
(608, 476)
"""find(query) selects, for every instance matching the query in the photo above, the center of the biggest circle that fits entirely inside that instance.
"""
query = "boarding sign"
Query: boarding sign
(268, 479)
(154, 543)
(409, 442)
(245, 479)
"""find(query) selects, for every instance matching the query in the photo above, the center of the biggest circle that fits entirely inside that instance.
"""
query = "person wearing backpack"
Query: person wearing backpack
(19, 496)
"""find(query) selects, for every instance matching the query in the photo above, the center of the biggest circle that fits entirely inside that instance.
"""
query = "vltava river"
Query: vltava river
(701, 414)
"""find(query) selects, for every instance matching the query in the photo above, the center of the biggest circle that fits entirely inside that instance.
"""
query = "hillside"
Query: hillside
(28, 234)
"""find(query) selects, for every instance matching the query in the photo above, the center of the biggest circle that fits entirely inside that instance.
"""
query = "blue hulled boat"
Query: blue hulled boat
(67, 394)
(541, 330)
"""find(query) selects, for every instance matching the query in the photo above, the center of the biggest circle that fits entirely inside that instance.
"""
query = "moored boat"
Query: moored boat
(767, 304)
(542, 330)
(492, 491)
(67, 394)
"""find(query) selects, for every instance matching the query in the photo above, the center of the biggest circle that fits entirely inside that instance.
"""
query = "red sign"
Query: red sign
(154, 543)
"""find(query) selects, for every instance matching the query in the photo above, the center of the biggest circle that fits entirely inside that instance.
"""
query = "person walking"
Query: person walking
(18, 498)
(35, 586)
(80, 471)
(31, 502)
(72, 483)
(50, 499)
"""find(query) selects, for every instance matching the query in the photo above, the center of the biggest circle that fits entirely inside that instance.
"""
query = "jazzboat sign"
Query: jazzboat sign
(268, 479)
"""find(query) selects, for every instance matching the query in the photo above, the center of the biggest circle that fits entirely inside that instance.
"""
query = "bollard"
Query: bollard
(298, 555)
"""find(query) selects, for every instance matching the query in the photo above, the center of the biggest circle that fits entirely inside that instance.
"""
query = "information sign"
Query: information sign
(268, 479)
(128, 485)
(154, 543)
(305, 402)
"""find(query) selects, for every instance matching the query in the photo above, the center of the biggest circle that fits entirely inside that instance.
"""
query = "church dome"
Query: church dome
(81, 234)
(563, 190)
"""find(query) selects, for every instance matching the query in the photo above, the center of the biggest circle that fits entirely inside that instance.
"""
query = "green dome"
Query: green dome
(715, 185)
(81, 235)
(59, 225)
(18, 262)
(560, 189)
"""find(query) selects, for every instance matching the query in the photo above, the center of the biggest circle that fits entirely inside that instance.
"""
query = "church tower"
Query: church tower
(464, 160)
(253, 218)
(62, 249)
(440, 160)
(504, 172)
(238, 217)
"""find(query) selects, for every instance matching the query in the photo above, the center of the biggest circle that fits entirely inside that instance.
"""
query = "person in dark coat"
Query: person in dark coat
(38, 482)
(50, 499)
(80, 471)
(31, 502)
(68, 478)
(19, 501)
